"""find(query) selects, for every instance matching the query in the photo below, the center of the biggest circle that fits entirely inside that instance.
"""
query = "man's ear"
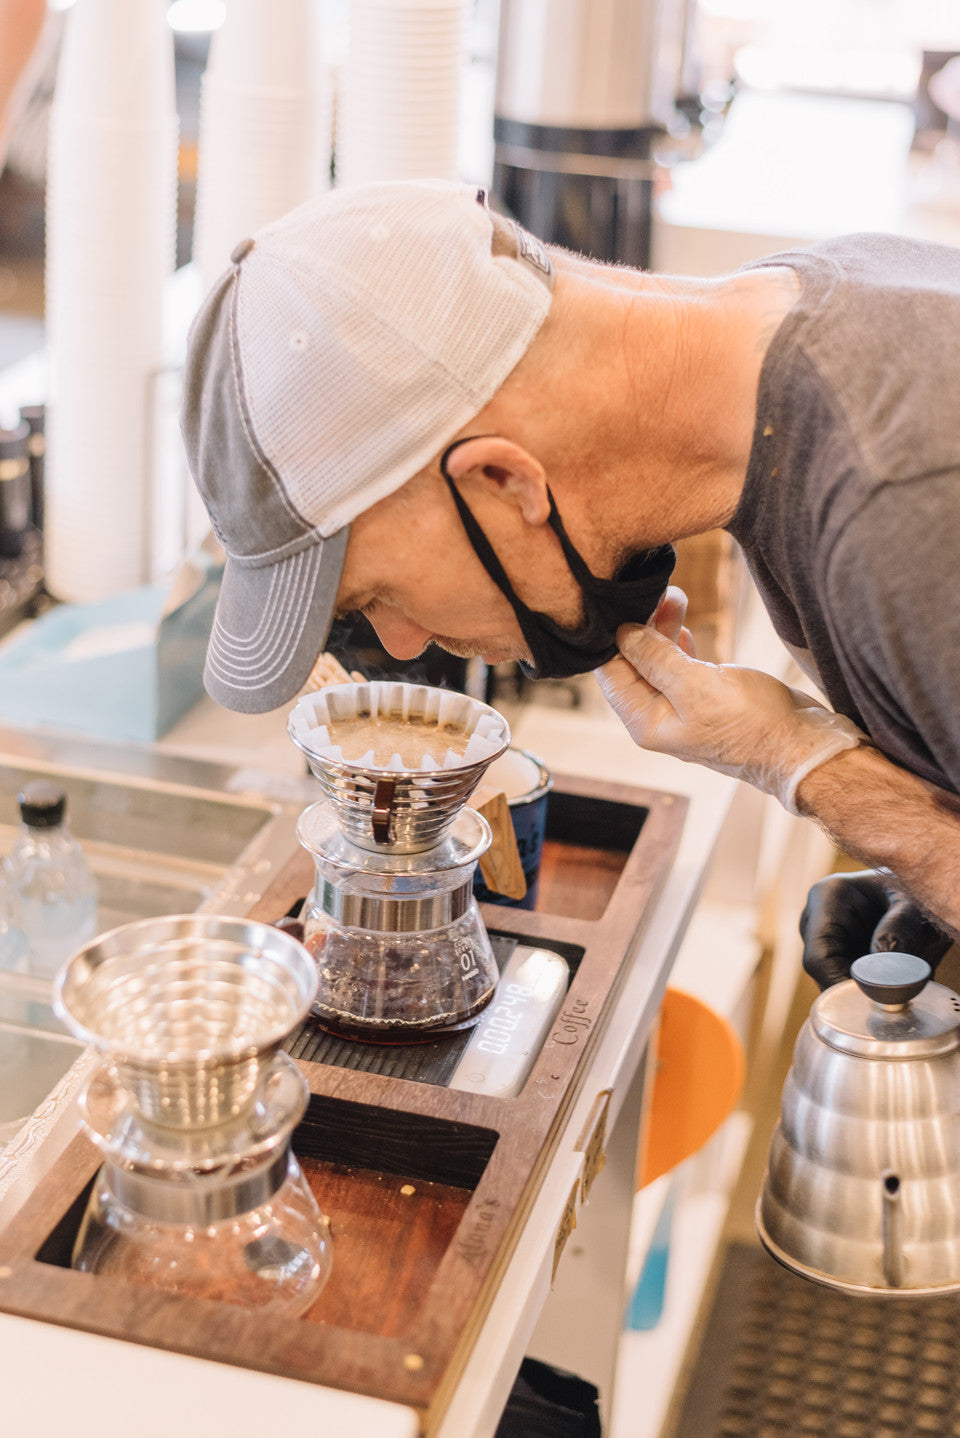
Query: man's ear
(491, 464)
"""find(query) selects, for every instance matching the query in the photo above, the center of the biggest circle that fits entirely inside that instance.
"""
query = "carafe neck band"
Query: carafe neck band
(378, 913)
(198, 1204)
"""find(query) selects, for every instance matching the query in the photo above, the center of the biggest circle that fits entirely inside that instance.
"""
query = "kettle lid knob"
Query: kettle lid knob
(891, 978)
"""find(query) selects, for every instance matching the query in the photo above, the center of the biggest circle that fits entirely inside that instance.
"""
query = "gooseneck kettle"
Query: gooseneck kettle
(862, 1191)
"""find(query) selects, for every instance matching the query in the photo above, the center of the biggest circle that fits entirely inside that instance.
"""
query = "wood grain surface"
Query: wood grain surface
(577, 882)
(414, 1274)
(389, 1234)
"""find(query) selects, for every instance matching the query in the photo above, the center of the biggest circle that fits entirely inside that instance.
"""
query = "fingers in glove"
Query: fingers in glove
(905, 929)
(639, 643)
(670, 614)
(839, 922)
(669, 620)
(662, 661)
(627, 683)
(622, 685)
(639, 706)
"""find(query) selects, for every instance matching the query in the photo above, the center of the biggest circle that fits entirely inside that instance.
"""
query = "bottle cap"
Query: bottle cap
(42, 804)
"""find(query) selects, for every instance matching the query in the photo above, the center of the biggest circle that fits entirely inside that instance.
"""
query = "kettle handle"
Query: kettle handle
(891, 978)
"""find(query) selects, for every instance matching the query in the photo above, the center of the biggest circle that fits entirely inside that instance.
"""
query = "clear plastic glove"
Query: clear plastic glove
(736, 721)
(847, 915)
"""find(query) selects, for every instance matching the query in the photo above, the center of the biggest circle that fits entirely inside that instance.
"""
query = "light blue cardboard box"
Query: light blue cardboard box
(127, 667)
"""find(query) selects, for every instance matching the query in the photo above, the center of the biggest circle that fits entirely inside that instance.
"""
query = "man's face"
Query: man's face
(411, 570)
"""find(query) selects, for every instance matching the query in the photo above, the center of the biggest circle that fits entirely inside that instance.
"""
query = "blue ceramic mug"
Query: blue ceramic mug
(526, 782)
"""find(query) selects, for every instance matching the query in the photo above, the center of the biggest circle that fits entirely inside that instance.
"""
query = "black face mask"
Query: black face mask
(630, 597)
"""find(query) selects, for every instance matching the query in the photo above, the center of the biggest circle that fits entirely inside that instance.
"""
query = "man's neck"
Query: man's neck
(667, 372)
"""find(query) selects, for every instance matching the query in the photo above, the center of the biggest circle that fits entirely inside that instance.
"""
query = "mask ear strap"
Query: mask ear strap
(483, 548)
(481, 544)
(575, 560)
(655, 561)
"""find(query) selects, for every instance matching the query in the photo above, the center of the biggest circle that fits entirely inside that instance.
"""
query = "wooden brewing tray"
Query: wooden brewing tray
(426, 1188)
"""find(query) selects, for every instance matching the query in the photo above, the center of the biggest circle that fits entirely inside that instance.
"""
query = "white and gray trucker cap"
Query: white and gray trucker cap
(341, 351)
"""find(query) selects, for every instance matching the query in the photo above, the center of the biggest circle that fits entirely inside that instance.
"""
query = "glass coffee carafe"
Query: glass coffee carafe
(199, 1193)
(401, 950)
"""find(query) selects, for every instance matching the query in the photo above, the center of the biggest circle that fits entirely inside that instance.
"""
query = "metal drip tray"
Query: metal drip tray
(161, 841)
(163, 835)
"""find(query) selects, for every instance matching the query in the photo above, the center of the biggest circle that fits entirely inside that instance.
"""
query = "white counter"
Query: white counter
(104, 1387)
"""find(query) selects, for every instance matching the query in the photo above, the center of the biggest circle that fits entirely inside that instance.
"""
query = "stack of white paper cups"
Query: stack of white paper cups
(399, 114)
(111, 218)
(265, 127)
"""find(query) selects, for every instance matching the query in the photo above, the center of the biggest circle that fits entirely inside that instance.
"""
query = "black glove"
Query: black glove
(847, 915)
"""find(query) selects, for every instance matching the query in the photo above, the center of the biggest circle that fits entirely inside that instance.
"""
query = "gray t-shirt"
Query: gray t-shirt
(850, 513)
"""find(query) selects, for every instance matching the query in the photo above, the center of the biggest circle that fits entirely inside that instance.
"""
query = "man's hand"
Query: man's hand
(735, 721)
(847, 915)
(748, 724)
(670, 619)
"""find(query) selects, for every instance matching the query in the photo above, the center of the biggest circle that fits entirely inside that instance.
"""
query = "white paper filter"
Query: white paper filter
(315, 720)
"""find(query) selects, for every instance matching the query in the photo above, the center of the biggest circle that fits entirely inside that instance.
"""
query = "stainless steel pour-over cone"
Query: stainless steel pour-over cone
(190, 1008)
(200, 1194)
(406, 810)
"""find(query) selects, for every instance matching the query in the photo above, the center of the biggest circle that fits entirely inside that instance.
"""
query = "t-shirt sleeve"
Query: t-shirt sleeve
(893, 587)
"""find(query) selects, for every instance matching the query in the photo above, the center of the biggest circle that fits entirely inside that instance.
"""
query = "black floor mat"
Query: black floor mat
(785, 1358)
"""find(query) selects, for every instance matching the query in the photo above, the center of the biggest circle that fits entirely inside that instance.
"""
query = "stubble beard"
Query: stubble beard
(466, 649)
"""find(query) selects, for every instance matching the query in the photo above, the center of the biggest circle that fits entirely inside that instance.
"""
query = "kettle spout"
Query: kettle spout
(892, 1230)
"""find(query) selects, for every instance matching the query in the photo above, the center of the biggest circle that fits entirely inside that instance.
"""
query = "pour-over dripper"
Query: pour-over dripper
(423, 753)
(400, 945)
(189, 1008)
(200, 1193)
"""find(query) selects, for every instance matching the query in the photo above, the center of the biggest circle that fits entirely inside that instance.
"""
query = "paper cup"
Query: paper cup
(527, 782)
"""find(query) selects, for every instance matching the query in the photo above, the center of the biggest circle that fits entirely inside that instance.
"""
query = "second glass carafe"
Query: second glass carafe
(200, 1193)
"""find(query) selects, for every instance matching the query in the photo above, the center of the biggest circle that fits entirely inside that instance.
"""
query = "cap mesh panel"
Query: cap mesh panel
(362, 355)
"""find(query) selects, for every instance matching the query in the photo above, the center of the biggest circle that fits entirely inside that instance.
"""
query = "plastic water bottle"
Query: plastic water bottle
(13, 941)
(51, 880)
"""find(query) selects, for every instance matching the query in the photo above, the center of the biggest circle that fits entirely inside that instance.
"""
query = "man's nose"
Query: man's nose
(398, 634)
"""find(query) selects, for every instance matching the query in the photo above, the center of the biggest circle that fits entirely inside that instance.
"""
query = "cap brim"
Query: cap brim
(271, 623)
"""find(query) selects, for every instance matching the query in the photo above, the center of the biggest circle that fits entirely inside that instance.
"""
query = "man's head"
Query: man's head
(345, 347)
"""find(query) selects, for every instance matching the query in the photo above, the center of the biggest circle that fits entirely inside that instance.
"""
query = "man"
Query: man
(399, 402)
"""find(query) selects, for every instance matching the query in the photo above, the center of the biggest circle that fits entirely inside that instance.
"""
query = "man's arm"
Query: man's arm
(749, 725)
(888, 818)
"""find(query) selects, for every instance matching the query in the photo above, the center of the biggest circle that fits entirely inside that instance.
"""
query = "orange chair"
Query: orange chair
(697, 1081)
